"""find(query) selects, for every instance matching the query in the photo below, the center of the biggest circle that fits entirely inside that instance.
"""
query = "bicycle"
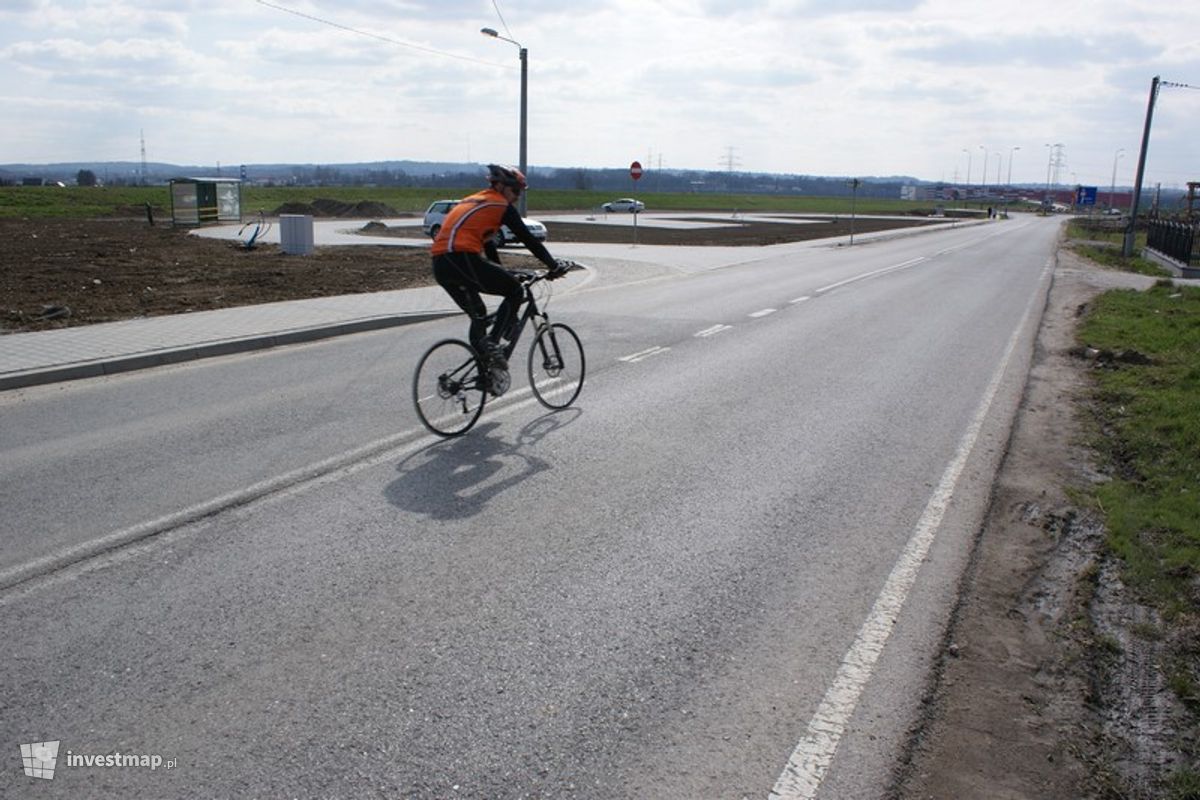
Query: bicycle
(452, 381)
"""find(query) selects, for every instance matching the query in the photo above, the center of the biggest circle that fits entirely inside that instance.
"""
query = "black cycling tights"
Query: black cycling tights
(464, 276)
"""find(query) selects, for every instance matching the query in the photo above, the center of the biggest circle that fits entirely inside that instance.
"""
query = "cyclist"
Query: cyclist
(466, 260)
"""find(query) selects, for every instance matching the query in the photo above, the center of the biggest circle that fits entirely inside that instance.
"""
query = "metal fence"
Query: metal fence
(1174, 239)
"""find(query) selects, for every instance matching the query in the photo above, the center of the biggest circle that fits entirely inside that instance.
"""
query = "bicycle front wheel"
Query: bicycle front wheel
(448, 390)
(556, 366)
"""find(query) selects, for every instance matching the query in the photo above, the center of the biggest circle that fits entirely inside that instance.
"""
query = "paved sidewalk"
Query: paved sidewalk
(29, 359)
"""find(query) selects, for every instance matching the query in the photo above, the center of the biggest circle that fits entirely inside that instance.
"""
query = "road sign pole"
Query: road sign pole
(635, 172)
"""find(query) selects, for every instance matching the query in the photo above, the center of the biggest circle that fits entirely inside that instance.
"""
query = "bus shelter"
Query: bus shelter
(197, 201)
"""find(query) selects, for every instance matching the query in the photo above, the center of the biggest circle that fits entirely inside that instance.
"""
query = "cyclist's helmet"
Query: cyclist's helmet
(509, 176)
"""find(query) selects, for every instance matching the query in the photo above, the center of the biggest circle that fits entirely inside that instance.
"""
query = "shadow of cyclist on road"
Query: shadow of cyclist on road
(455, 479)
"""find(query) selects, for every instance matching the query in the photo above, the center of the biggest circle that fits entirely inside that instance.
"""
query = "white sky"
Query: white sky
(860, 87)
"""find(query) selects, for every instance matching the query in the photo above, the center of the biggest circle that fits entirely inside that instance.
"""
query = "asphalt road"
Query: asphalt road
(724, 572)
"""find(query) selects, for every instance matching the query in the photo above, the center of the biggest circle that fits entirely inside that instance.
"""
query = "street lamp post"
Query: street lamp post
(968, 152)
(985, 155)
(1010, 160)
(524, 165)
(1112, 187)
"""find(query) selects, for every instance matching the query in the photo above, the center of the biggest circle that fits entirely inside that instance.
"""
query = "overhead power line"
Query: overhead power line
(382, 38)
(503, 24)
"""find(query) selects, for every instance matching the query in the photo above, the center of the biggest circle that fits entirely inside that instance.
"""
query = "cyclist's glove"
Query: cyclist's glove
(561, 267)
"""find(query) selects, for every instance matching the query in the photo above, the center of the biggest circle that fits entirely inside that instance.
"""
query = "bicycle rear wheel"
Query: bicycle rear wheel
(448, 389)
(556, 366)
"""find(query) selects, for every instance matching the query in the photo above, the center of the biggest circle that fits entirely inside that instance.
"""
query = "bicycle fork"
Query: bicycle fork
(551, 356)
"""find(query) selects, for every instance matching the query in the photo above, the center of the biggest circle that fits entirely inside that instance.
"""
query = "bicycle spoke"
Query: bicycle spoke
(556, 366)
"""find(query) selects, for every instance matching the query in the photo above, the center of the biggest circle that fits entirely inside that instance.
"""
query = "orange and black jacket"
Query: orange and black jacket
(470, 226)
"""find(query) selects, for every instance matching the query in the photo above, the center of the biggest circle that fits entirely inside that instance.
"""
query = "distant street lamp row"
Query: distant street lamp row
(999, 164)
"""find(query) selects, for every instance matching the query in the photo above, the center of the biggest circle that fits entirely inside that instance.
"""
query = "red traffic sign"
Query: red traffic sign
(635, 170)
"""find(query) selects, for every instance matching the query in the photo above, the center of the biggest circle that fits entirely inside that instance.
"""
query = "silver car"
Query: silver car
(625, 204)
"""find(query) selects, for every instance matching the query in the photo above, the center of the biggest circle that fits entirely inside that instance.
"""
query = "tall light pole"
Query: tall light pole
(985, 155)
(524, 166)
(1112, 187)
(1010, 160)
(968, 152)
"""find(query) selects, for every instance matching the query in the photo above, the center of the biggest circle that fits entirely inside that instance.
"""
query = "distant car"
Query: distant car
(434, 215)
(625, 204)
(535, 227)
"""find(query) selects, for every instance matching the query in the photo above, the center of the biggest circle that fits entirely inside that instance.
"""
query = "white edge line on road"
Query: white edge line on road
(806, 768)
(342, 464)
(713, 331)
(763, 313)
(803, 299)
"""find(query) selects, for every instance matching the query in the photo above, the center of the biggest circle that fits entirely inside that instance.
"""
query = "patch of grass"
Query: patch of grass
(1184, 785)
(1102, 241)
(1145, 412)
(1146, 409)
(1110, 256)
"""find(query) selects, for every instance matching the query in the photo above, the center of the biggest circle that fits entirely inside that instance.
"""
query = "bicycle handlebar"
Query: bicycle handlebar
(529, 278)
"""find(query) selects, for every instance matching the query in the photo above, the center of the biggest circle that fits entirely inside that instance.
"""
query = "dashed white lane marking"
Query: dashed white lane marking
(805, 770)
(713, 331)
(803, 299)
(764, 312)
(903, 265)
(641, 355)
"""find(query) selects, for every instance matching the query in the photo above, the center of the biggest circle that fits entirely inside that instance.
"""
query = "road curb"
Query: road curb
(178, 355)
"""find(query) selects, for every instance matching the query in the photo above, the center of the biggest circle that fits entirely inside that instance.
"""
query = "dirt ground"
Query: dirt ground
(56, 273)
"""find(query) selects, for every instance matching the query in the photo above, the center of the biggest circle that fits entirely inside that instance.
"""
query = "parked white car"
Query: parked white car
(438, 209)
(625, 204)
(434, 215)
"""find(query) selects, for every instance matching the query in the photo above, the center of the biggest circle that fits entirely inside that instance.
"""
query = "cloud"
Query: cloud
(1042, 50)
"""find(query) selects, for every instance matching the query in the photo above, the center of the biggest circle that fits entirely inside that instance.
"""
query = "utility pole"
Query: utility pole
(729, 161)
(1127, 245)
(1057, 162)
(143, 135)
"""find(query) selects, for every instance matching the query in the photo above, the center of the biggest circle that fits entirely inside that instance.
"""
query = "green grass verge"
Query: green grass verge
(97, 201)
(1102, 244)
(1147, 412)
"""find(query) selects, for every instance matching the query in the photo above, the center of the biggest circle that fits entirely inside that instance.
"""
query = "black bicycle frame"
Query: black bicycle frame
(531, 310)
